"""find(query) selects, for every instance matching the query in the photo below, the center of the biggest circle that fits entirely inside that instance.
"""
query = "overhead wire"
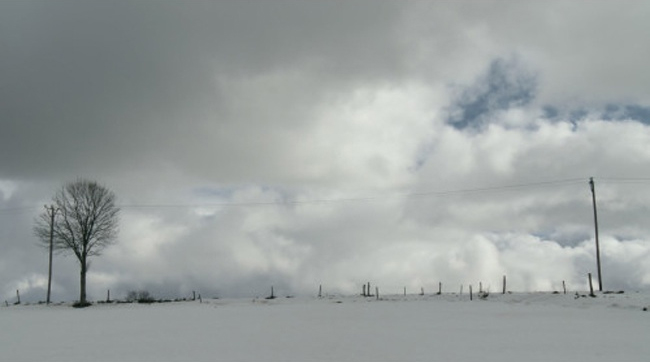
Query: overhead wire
(409, 196)
(373, 198)
(623, 180)
(17, 210)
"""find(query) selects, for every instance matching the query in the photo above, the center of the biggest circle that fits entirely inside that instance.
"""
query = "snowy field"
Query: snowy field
(512, 327)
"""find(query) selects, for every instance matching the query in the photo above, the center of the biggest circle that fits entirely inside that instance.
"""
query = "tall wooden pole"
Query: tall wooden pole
(51, 212)
(593, 198)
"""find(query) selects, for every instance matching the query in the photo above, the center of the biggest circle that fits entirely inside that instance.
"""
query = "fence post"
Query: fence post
(591, 287)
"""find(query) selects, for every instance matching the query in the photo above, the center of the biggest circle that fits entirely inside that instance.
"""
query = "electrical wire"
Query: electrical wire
(621, 180)
(18, 210)
(406, 196)
(374, 198)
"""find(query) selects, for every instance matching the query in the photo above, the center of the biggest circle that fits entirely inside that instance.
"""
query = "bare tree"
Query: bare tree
(86, 223)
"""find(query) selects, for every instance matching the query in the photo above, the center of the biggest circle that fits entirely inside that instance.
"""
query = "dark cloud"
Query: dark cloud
(550, 112)
(608, 112)
(91, 86)
(629, 112)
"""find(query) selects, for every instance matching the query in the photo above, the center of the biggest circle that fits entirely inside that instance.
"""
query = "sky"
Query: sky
(294, 144)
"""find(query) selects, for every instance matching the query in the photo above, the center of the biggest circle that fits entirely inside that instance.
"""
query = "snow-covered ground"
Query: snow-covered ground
(511, 327)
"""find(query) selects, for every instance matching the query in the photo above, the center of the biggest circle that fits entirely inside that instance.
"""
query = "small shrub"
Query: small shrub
(81, 305)
(131, 296)
(142, 296)
(145, 297)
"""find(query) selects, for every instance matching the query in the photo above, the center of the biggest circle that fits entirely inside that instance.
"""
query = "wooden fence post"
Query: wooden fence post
(564, 286)
(439, 288)
(18, 296)
(591, 287)
(504, 284)
(320, 291)
(470, 292)
(377, 292)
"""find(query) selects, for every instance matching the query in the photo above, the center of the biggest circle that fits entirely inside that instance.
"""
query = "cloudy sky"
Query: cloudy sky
(295, 143)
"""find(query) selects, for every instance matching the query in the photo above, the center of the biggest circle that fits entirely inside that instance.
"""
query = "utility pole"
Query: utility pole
(51, 211)
(593, 198)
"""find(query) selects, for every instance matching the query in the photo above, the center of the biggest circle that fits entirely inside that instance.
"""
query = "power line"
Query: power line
(17, 210)
(411, 195)
(502, 188)
(621, 180)
(372, 198)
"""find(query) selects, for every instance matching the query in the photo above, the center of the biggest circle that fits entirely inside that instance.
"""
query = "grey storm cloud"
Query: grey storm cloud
(122, 84)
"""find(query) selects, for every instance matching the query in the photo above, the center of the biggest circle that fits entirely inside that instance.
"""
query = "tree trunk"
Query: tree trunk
(82, 282)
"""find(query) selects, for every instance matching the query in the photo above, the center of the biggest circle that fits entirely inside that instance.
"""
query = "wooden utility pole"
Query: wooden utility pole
(593, 198)
(51, 211)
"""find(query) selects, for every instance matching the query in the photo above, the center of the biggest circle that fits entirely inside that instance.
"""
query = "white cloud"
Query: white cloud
(7, 189)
